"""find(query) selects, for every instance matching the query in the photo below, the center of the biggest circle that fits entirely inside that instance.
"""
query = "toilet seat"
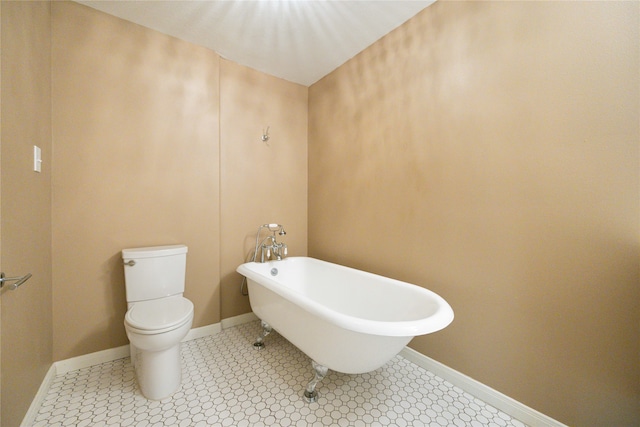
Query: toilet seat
(159, 316)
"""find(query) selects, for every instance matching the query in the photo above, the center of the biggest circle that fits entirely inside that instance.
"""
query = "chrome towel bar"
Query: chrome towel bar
(19, 280)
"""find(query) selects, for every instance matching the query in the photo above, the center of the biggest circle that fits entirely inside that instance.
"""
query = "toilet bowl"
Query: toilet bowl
(155, 329)
(158, 316)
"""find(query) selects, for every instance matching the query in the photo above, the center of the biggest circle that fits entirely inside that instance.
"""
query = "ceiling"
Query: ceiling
(300, 41)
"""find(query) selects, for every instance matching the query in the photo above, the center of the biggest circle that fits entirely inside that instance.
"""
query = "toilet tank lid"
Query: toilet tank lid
(154, 251)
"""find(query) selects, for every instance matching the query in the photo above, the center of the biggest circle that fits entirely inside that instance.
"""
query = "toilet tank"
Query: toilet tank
(155, 272)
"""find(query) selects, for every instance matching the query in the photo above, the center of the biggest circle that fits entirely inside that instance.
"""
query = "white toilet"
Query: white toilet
(158, 316)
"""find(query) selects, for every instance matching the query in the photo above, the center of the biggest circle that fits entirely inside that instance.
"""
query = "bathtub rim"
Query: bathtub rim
(407, 328)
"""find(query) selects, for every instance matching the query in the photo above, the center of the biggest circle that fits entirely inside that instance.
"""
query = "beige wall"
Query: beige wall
(260, 182)
(25, 238)
(158, 141)
(136, 163)
(489, 151)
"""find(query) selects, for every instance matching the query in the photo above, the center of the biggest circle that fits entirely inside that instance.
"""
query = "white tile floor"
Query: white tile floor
(226, 382)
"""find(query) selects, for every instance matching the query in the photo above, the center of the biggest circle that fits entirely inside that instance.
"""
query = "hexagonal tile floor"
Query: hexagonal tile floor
(226, 382)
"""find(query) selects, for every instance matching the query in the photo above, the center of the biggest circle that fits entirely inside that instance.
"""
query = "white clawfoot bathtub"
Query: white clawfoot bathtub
(344, 319)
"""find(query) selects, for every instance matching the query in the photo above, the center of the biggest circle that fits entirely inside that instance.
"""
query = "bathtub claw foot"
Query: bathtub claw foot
(310, 393)
(310, 397)
(266, 330)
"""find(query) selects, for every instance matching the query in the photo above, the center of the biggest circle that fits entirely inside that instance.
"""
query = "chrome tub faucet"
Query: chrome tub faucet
(269, 247)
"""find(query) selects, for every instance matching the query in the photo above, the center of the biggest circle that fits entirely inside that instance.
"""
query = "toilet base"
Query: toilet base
(159, 373)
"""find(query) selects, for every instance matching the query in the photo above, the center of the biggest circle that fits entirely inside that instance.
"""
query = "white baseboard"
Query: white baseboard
(203, 331)
(84, 361)
(30, 416)
(483, 392)
(230, 322)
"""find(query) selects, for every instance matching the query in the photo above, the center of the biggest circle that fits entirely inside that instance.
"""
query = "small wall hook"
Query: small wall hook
(265, 135)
